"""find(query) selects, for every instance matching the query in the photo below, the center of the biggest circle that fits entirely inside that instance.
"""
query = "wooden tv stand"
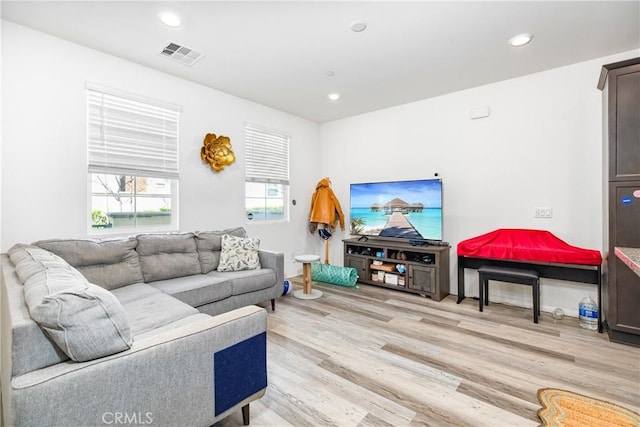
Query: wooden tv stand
(426, 267)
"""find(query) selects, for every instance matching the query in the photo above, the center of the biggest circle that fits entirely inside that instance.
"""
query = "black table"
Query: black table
(572, 272)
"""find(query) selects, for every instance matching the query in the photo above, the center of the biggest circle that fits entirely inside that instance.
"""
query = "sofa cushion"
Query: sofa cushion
(246, 281)
(29, 260)
(84, 320)
(209, 244)
(131, 293)
(239, 253)
(148, 308)
(110, 263)
(165, 256)
(196, 290)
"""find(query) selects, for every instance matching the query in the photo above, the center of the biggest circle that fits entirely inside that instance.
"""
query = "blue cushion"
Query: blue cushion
(239, 372)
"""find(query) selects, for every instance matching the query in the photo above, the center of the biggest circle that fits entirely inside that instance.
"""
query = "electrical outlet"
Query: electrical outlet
(543, 213)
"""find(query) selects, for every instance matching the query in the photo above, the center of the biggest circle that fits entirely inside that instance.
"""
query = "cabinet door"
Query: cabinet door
(625, 283)
(360, 264)
(624, 213)
(624, 124)
(623, 302)
(422, 278)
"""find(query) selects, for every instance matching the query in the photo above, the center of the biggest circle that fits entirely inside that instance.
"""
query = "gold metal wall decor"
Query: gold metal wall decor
(216, 150)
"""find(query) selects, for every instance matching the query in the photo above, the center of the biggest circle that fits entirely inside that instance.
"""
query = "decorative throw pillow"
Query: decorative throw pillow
(239, 253)
(209, 244)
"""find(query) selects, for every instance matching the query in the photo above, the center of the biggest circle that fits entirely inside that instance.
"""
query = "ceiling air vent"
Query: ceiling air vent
(181, 54)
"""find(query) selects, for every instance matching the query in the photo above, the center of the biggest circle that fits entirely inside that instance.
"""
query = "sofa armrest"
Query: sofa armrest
(178, 377)
(275, 261)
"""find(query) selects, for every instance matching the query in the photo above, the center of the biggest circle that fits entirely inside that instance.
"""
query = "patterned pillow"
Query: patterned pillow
(239, 253)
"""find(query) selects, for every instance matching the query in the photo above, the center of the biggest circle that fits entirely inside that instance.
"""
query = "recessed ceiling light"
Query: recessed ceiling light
(170, 19)
(520, 39)
(358, 26)
(334, 96)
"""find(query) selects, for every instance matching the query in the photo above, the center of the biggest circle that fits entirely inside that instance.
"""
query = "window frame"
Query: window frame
(282, 178)
(171, 175)
(125, 230)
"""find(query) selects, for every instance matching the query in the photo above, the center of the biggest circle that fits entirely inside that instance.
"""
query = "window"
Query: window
(133, 161)
(267, 174)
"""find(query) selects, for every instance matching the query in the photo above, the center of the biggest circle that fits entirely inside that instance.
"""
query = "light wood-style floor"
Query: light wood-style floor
(379, 357)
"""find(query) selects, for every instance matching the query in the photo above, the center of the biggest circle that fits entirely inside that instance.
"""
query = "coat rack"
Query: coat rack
(325, 211)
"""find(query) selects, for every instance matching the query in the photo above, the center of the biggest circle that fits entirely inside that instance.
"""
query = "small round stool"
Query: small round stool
(306, 292)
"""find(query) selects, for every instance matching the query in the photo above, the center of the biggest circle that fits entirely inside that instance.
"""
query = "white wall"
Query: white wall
(44, 170)
(1, 97)
(540, 147)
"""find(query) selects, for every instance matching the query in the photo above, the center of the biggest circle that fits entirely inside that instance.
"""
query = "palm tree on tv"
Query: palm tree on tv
(357, 225)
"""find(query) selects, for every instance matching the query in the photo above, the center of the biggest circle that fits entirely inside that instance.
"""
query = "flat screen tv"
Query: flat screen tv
(397, 209)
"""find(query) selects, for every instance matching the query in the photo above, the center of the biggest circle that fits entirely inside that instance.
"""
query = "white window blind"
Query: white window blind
(130, 136)
(267, 155)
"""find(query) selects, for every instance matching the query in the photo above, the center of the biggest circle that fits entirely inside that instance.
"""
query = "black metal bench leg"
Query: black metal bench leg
(245, 415)
(480, 292)
(486, 292)
(536, 301)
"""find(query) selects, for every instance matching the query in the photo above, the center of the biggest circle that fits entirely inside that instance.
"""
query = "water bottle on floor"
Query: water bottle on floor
(588, 313)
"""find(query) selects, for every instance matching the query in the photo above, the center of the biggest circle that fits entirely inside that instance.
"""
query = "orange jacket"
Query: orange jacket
(325, 205)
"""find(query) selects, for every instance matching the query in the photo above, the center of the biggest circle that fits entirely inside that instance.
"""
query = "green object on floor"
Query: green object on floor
(333, 274)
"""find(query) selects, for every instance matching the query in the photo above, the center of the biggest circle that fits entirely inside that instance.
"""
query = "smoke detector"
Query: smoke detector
(181, 54)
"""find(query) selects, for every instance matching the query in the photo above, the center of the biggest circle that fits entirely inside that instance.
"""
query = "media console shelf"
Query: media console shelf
(426, 268)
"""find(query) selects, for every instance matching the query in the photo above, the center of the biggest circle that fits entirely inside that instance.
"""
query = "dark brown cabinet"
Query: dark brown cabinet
(398, 265)
(623, 118)
(360, 264)
(422, 279)
(620, 83)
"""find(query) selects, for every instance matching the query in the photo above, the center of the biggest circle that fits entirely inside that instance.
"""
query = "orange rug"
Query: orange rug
(561, 408)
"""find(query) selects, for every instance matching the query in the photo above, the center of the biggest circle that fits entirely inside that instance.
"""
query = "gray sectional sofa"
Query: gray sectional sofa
(157, 329)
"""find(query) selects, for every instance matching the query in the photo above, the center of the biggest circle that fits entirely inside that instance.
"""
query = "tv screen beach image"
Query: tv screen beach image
(401, 209)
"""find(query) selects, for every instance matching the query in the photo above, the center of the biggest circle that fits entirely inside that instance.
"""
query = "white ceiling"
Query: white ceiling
(279, 53)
